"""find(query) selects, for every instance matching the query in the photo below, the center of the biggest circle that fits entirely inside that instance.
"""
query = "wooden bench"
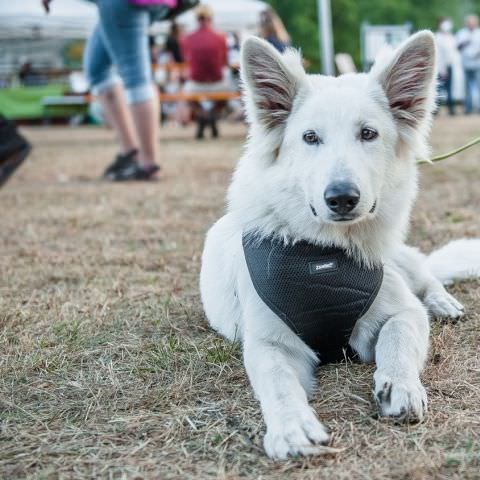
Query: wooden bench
(199, 96)
(65, 105)
(80, 100)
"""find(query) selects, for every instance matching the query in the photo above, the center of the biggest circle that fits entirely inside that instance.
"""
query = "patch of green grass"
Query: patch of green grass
(68, 331)
(222, 352)
(455, 217)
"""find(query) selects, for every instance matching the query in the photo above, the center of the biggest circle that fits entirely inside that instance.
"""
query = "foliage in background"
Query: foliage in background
(300, 18)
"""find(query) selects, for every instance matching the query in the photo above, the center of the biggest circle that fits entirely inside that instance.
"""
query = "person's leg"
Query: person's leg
(108, 89)
(214, 115)
(448, 88)
(146, 116)
(201, 123)
(206, 111)
(468, 91)
(124, 32)
(196, 109)
(114, 104)
(477, 88)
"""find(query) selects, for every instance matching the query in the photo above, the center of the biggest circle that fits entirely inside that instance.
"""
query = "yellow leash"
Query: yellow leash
(443, 156)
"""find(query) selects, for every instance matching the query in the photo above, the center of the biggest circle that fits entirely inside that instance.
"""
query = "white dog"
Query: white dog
(331, 161)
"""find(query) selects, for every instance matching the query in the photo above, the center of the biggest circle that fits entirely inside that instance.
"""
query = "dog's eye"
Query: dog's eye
(368, 134)
(311, 138)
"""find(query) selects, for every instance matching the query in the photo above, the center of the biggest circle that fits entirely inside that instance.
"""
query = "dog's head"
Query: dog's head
(337, 148)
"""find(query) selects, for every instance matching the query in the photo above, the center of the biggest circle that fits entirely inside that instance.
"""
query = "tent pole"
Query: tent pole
(325, 36)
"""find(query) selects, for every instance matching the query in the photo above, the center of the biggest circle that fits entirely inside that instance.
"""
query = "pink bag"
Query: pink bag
(151, 3)
(160, 10)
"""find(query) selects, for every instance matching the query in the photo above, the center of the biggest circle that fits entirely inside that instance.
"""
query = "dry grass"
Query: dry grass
(108, 368)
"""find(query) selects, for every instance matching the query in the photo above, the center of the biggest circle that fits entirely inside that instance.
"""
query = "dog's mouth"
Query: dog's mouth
(344, 218)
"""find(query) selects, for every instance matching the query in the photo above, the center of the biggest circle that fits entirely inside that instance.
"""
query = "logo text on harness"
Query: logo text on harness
(323, 266)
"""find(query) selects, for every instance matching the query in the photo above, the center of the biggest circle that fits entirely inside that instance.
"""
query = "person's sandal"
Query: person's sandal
(121, 162)
(137, 172)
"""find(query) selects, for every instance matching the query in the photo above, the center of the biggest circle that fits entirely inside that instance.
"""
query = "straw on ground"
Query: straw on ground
(109, 370)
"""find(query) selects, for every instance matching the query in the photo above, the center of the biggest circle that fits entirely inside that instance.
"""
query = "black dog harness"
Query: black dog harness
(319, 292)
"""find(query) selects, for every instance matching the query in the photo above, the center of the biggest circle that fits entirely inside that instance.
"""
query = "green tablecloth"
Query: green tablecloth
(26, 102)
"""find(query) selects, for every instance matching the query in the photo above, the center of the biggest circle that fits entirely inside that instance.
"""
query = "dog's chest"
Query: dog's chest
(319, 292)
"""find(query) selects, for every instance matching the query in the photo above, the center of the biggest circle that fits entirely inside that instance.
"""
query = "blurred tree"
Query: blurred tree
(300, 18)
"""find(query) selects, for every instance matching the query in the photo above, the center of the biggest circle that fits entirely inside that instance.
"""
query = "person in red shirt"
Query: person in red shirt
(205, 52)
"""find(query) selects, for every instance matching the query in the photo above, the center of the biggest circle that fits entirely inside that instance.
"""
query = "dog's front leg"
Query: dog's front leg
(275, 373)
(400, 354)
(280, 367)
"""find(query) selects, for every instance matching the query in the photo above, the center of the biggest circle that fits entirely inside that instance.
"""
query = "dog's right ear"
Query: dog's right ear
(271, 81)
(409, 77)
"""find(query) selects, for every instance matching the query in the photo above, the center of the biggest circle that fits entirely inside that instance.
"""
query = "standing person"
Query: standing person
(130, 102)
(172, 43)
(273, 31)
(205, 51)
(468, 40)
(447, 50)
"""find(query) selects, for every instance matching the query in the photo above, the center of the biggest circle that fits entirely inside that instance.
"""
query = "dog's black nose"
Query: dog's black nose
(342, 197)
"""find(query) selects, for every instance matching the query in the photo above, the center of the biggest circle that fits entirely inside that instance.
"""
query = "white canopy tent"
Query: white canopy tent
(75, 18)
(27, 33)
(228, 16)
(24, 19)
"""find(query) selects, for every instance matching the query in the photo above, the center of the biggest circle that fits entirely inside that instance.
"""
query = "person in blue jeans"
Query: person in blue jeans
(472, 84)
(128, 95)
(468, 40)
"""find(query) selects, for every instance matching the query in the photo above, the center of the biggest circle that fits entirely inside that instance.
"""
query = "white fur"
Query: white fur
(277, 182)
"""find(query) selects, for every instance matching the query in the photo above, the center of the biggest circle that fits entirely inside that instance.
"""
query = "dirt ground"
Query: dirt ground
(108, 368)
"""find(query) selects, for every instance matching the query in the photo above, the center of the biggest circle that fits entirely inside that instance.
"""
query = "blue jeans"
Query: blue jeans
(445, 84)
(472, 83)
(120, 40)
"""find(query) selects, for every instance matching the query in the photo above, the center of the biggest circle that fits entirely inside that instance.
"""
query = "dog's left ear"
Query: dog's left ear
(409, 80)
(271, 81)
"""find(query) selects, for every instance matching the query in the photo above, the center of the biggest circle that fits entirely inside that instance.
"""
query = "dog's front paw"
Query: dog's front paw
(404, 399)
(295, 433)
(441, 304)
